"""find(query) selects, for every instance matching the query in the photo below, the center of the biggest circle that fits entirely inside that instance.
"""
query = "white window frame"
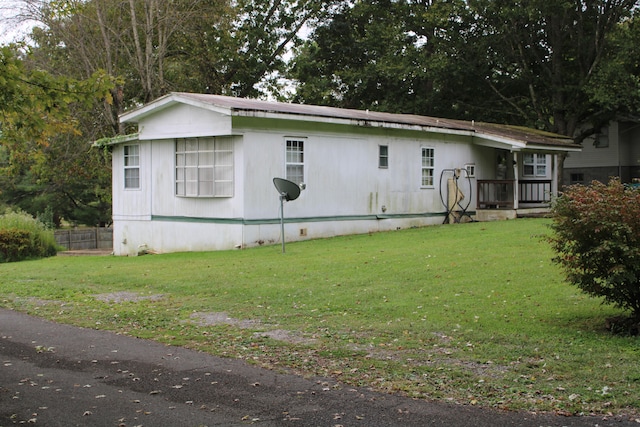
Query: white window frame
(294, 153)
(534, 165)
(383, 156)
(471, 170)
(427, 169)
(131, 162)
(204, 167)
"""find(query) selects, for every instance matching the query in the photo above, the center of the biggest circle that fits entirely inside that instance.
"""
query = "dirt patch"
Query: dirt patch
(222, 318)
(124, 296)
(286, 336)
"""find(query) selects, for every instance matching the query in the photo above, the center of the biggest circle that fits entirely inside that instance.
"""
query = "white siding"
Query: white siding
(592, 156)
(184, 121)
(346, 191)
(132, 203)
(343, 177)
(630, 137)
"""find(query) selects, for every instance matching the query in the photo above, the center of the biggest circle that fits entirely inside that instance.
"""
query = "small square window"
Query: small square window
(577, 178)
(471, 170)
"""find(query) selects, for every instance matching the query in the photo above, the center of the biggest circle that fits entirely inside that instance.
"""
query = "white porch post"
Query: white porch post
(554, 175)
(516, 175)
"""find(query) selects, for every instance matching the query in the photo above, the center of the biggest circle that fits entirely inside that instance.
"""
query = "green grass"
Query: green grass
(473, 313)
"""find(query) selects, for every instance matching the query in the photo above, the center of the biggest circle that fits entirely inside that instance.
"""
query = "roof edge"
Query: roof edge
(115, 140)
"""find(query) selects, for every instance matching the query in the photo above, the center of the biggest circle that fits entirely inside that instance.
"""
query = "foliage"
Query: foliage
(90, 60)
(615, 86)
(534, 63)
(45, 159)
(597, 241)
(541, 56)
(23, 237)
(472, 313)
(155, 47)
(14, 245)
(380, 55)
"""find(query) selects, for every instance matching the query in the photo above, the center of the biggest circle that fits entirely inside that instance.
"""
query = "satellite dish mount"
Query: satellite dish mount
(288, 191)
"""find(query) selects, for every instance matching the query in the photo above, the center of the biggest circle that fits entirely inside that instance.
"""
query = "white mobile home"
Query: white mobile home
(198, 174)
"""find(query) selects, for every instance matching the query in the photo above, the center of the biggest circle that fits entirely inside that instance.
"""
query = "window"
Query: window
(577, 178)
(383, 156)
(601, 139)
(132, 166)
(427, 167)
(471, 170)
(534, 164)
(204, 167)
(295, 160)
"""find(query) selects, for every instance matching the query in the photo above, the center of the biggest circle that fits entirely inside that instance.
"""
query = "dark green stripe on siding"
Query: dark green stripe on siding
(264, 221)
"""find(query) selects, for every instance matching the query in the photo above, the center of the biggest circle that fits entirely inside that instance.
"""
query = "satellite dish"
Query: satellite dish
(288, 191)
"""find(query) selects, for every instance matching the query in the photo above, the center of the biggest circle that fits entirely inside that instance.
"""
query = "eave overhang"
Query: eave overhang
(485, 134)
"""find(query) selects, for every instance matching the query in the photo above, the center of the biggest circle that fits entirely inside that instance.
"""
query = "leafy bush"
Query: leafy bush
(597, 241)
(23, 237)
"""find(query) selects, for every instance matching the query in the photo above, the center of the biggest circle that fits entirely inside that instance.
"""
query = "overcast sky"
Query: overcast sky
(10, 29)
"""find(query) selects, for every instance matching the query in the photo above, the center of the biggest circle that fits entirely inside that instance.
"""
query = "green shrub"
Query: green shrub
(597, 241)
(14, 244)
(23, 237)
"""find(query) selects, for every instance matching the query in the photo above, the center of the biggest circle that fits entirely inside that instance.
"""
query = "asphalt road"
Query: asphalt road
(59, 375)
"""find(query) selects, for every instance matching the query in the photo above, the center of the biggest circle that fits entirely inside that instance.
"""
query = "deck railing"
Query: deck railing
(530, 191)
(498, 193)
(495, 194)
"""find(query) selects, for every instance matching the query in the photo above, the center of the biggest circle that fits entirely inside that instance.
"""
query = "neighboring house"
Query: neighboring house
(612, 152)
(199, 173)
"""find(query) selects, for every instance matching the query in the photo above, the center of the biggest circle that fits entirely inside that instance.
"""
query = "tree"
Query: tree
(535, 63)
(245, 56)
(155, 46)
(38, 165)
(597, 241)
(146, 48)
(541, 57)
(379, 55)
(615, 86)
(130, 40)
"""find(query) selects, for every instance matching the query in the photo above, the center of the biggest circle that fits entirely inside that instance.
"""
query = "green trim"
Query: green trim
(264, 221)
(197, 219)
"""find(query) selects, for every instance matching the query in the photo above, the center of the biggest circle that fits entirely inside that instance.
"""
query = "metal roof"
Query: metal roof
(528, 138)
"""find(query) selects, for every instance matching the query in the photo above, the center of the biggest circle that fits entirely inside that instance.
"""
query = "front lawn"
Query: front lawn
(473, 313)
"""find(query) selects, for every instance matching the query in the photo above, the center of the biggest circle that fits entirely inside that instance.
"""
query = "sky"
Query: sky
(10, 29)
